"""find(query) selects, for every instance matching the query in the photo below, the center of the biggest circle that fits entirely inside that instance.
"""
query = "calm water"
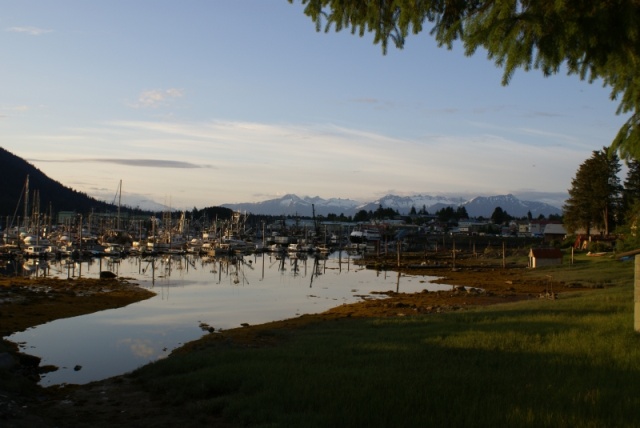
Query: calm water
(190, 291)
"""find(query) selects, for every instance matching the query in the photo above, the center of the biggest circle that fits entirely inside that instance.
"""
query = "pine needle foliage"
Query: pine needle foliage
(591, 39)
(595, 194)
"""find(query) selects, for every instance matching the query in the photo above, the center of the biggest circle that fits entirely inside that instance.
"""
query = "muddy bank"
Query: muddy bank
(26, 303)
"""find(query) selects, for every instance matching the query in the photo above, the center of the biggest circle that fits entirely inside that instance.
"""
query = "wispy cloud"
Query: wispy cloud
(31, 31)
(17, 108)
(147, 163)
(8, 111)
(548, 137)
(491, 109)
(14, 109)
(153, 163)
(444, 110)
(543, 114)
(366, 100)
(157, 97)
(376, 103)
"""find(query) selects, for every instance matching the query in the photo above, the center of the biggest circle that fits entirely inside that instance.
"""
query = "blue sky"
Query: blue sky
(201, 103)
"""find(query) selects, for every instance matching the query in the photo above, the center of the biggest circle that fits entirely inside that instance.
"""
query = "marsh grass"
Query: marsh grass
(570, 362)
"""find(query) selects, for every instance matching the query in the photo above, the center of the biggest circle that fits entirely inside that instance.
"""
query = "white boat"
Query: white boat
(166, 243)
(138, 246)
(354, 246)
(35, 250)
(364, 235)
(68, 250)
(236, 245)
(293, 248)
(276, 248)
(51, 250)
(208, 248)
(322, 248)
(35, 240)
(195, 246)
(34, 266)
(114, 249)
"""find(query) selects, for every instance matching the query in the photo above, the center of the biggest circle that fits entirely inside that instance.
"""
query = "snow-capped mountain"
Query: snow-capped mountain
(295, 205)
(403, 204)
(476, 207)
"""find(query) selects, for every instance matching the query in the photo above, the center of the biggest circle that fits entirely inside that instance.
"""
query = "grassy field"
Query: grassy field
(569, 362)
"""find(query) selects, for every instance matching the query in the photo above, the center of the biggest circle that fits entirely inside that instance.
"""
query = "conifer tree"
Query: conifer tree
(591, 39)
(595, 193)
(500, 216)
(446, 214)
(631, 192)
(630, 238)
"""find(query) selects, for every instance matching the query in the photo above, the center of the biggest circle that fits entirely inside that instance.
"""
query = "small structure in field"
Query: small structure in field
(554, 231)
(539, 257)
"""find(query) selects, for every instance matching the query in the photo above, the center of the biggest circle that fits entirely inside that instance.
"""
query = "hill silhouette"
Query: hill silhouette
(54, 197)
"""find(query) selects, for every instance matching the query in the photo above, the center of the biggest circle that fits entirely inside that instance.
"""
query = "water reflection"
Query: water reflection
(191, 291)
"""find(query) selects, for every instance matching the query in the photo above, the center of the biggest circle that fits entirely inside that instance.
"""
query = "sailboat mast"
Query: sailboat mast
(26, 203)
(119, 200)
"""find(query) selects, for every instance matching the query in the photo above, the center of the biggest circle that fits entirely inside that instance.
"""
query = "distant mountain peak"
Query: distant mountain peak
(479, 206)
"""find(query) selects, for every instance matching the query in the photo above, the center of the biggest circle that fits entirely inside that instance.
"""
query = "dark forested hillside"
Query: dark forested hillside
(52, 195)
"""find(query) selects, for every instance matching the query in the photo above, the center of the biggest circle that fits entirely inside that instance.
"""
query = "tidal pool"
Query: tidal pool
(193, 291)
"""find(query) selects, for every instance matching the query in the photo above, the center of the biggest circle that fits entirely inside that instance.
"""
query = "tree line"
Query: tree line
(449, 215)
(599, 199)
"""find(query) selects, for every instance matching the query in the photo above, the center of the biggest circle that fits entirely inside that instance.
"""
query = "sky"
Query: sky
(201, 103)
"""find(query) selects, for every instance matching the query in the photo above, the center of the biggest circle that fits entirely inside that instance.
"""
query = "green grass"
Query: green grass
(592, 272)
(571, 362)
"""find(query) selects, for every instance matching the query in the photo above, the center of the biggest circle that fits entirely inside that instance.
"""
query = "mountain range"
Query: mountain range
(480, 206)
